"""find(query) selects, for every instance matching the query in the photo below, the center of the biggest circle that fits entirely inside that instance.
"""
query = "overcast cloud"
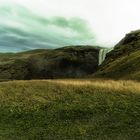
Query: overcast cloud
(29, 24)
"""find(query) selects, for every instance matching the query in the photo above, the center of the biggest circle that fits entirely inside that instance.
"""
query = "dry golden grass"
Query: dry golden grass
(100, 84)
(119, 85)
(82, 109)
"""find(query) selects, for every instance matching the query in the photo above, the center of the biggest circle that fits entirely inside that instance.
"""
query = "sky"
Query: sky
(36, 24)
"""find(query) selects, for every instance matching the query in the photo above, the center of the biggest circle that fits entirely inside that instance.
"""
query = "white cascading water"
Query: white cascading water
(102, 54)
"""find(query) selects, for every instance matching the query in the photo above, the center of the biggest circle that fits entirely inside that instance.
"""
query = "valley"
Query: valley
(72, 93)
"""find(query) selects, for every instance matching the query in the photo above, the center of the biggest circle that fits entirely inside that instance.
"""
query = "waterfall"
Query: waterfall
(102, 54)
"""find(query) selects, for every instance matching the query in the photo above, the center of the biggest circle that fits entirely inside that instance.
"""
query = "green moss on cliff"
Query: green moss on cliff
(66, 62)
(124, 61)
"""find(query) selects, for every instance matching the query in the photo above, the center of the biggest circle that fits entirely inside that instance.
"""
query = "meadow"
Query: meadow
(70, 110)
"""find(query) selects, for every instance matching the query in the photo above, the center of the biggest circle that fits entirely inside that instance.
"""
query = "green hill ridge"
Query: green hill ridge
(66, 62)
(123, 62)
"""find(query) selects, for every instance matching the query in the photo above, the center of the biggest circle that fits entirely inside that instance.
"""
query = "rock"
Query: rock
(66, 62)
(130, 43)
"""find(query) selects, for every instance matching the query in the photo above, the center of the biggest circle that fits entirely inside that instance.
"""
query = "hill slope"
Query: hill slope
(77, 61)
(124, 61)
(70, 110)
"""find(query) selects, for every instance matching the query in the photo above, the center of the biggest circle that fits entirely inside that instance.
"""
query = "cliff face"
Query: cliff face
(130, 43)
(67, 62)
(124, 61)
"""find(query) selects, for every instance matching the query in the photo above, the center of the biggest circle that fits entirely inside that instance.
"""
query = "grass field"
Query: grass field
(70, 110)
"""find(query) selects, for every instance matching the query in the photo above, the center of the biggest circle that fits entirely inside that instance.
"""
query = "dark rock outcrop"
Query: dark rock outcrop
(129, 44)
(67, 62)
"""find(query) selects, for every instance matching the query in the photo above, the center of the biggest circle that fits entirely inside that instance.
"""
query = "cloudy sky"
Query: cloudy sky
(32, 24)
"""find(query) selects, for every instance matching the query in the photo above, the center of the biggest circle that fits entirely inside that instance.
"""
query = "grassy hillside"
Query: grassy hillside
(70, 110)
(124, 67)
(66, 62)
(124, 61)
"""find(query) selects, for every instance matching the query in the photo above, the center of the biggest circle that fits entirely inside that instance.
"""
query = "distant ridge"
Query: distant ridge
(65, 62)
